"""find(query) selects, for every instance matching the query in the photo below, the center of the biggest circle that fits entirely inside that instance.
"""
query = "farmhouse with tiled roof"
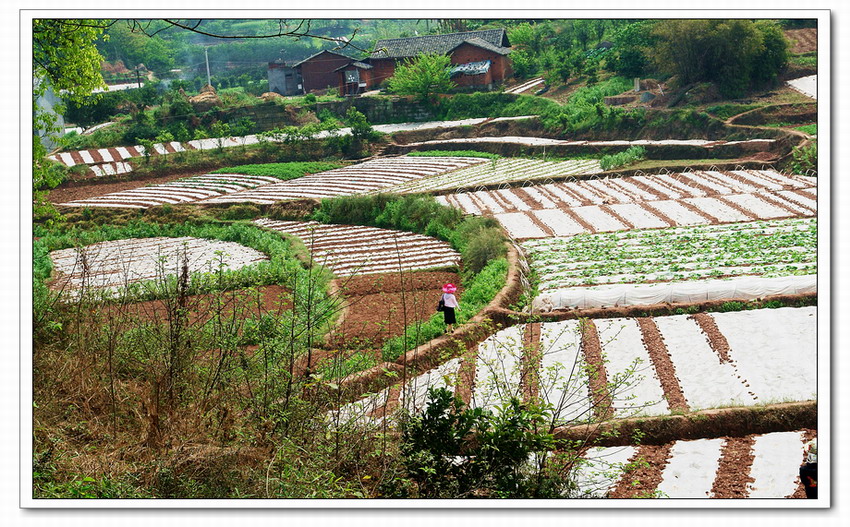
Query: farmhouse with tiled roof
(480, 58)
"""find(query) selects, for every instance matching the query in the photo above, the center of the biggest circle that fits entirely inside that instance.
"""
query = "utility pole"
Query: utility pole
(207, 58)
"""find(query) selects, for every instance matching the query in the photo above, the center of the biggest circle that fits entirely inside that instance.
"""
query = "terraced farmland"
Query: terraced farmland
(500, 171)
(625, 367)
(751, 466)
(186, 190)
(350, 250)
(690, 264)
(113, 264)
(376, 175)
(644, 202)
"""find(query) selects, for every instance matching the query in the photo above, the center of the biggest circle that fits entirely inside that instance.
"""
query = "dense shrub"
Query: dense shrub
(621, 159)
(736, 54)
(586, 109)
(491, 104)
(805, 158)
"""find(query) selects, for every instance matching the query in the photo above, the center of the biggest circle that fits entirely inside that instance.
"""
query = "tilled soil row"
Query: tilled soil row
(645, 470)
(664, 369)
(648, 462)
(591, 349)
(733, 473)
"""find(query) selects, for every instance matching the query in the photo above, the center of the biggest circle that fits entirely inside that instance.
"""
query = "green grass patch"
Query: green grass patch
(725, 111)
(808, 60)
(339, 369)
(454, 153)
(627, 157)
(811, 129)
(282, 171)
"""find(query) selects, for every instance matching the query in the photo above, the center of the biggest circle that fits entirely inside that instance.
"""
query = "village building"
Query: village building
(478, 58)
(283, 79)
(318, 71)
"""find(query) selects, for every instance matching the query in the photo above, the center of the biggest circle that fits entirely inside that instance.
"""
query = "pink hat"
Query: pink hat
(449, 288)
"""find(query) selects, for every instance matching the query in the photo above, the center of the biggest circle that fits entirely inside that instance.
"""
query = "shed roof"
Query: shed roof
(413, 46)
(481, 43)
(314, 55)
(356, 64)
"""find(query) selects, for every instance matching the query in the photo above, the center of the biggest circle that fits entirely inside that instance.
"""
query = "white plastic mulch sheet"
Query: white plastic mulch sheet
(414, 396)
(113, 264)
(359, 413)
(705, 381)
(501, 171)
(806, 85)
(185, 190)
(376, 175)
(520, 226)
(563, 378)
(644, 202)
(775, 351)
(635, 387)
(350, 250)
(601, 468)
(744, 288)
(497, 370)
(775, 468)
(691, 469)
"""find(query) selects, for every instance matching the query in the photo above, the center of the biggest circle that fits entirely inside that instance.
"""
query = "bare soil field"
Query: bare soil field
(803, 40)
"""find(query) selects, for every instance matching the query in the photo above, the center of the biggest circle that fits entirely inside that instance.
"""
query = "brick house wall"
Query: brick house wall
(318, 72)
(500, 67)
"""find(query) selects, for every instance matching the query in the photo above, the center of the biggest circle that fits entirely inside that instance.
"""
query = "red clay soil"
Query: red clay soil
(377, 306)
(803, 40)
(466, 375)
(529, 380)
(733, 471)
(75, 192)
(245, 303)
(800, 493)
(611, 212)
(716, 339)
(591, 348)
(664, 369)
(643, 479)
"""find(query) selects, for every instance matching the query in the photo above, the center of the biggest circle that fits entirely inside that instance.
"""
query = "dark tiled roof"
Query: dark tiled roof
(413, 46)
(356, 64)
(481, 43)
(314, 55)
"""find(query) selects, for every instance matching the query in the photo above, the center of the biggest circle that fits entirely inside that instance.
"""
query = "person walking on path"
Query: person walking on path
(449, 305)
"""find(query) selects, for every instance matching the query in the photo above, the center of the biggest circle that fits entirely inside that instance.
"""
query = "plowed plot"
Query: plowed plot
(692, 264)
(185, 190)
(378, 306)
(114, 264)
(753, 466)
(375, 175)
(642, 202)
(350, 250)
(201, 309)
(626, 367)
(803, 40)
(499, 171)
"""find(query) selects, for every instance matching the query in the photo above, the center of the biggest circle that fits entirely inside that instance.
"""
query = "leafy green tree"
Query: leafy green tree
(64, 58)
(731, 53)
(450, 451)
(631, 44)
(423, 77)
